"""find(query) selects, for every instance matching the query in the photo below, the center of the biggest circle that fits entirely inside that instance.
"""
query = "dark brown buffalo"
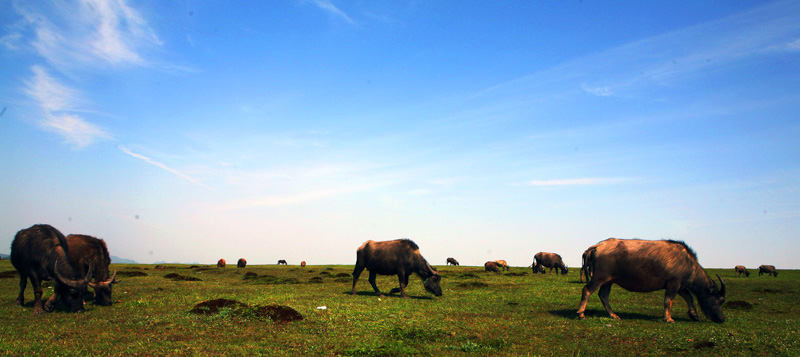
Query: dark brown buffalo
(767, 269)
(644, 266)
(303, 264)
(281, 262)
(241, 263)
(41, 253)
(452, 261)
(221, 263)
(399, 257)
(548, 260)
(87, 251)
(740, 269)
(491, 266)
(501, 264)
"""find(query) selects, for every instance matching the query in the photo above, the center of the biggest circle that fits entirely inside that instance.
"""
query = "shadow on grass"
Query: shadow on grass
(572, 315)
(396, 296)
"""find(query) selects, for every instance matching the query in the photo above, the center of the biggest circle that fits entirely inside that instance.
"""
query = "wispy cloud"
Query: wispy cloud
(88, 32)
(589, 181)
(333, 10)
(164, 167)
(59, 102)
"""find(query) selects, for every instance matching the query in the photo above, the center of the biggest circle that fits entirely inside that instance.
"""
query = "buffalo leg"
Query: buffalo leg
(605, 290)
(669, 298)
(402, 287)
(23, 283)
(356, 273)
(686, 295)
(37, 296)
(588, 290)
(372, 276)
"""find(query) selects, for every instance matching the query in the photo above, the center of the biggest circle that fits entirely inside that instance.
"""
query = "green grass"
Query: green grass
(479, 314)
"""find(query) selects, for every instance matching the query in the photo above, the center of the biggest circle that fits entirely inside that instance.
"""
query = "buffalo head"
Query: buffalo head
(72, 290)
(102, 290)
(432, 285)
(711, 303)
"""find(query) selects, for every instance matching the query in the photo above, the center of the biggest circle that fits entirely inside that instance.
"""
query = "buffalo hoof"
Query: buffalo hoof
(19, 302)
(37, 310)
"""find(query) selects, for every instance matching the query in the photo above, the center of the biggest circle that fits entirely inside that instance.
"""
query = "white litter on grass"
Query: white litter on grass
(322, 307)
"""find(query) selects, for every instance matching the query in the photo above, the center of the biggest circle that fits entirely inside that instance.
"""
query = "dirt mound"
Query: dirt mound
(8, 274)
(315, 280)
(343, 275)
(472, 285)
(468, 276)
(211, 307)
(738, 304)
(131, 274)
(250, 275)
(277, 313)
(178, 277)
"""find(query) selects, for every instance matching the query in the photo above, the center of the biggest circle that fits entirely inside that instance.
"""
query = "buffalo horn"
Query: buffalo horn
(76, 284)
(721, 290)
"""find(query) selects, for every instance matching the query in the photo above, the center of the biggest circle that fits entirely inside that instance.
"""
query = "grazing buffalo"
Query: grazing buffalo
(586, 271)
(548, 260)
(767, 269)
(399, 257)
(87, 251)
(452, 261)
(41, 253)
(740, 269)
(221, 263)
(491, 266)
(501, 264)
(241, 263)
(645, 266)
(303, 264)
(281, 262)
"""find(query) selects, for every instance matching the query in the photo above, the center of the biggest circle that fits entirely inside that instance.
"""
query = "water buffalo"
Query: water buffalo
(491, 266)
(41, 253)
(399, 257)
(644, 266)
(282, 262)
(303, 264)
(501, 264)
(241, 263)
(452, 261)
(586, 271)
(767, 269)
(740, 269)
(87, 251)
(549, 260)
(221, 263)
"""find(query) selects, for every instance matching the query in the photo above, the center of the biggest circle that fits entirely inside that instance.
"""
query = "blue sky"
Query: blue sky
(192, 131)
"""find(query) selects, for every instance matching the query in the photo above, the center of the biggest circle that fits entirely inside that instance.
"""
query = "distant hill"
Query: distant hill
(4, 256)
(118, 260)
(163, 262)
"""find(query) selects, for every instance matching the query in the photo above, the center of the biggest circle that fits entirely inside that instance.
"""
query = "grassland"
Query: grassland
(510, 314)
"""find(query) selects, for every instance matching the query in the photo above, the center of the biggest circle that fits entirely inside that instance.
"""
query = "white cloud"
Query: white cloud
(88, 32)
(57, 101)
(579, 181)
(598, 91)
(163, 166)
(333, 10)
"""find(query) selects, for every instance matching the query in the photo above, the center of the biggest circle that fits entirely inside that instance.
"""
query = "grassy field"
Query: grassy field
(510, 314)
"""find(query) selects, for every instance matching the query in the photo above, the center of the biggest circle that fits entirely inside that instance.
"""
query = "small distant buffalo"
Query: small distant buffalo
(452, 261)
(303, 264)
(282, 262)
(399, 257)
(548, 260)
(491, 266)
(221, 263)
(87, 251)
(740, 269)
(41, 253)
(645, 266)
(241, 263)
(501, 264)
(767, 269)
